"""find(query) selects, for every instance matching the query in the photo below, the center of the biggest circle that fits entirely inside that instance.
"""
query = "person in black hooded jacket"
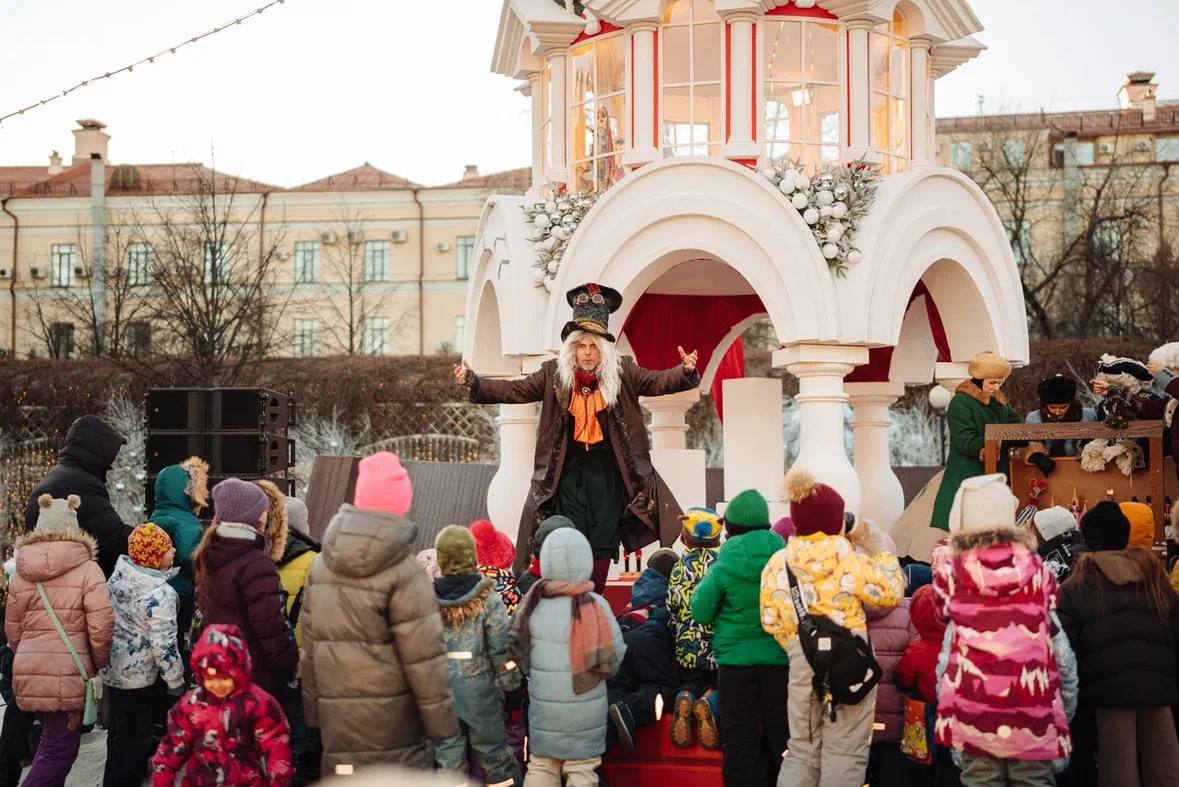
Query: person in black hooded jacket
(91, 446)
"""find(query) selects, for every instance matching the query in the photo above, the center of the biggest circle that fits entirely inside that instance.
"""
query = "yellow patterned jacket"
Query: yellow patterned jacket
(836, 581)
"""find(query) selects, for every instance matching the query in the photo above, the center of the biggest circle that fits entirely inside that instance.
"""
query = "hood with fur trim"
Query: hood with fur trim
(993, 564)
(276, 529)
(457, 611)
(41, 557)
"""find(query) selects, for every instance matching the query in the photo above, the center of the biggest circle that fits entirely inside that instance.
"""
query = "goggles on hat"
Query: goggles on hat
(597, 298)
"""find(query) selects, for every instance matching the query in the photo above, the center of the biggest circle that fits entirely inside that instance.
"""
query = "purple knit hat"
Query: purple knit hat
(784, 527)
(239, 501)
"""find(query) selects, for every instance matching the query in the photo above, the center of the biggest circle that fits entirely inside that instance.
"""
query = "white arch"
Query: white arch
(679, 209)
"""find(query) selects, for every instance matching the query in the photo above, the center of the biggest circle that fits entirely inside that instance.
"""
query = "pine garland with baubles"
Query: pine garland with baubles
(553, 224)
(832, 203)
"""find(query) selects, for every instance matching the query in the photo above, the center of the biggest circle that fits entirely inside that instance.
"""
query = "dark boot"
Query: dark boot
(623, 724)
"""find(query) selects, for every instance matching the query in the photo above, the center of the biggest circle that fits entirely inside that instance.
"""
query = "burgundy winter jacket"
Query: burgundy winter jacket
(242, 589)
(890, 632)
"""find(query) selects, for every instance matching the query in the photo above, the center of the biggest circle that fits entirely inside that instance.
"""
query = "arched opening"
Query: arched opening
(484, 345)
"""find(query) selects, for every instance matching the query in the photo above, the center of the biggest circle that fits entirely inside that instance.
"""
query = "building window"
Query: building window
(597, 113)
(376, 260)
(216, 263)
(464, 249)
(460, 333)
(691, 64)
(1082, 154)
(1015, 152)
(962, 155)
(1166, 149)
(376, 336)
(305, 335)
(890, 93)
(139, 263)
(62, 257)
(138, 339)
(801, 66)
(306, 262)
(61, 340)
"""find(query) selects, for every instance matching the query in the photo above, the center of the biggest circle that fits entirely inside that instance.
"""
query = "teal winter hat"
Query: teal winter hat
(748, 511)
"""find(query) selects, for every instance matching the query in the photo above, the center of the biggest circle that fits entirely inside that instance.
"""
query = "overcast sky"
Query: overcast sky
(314, 87)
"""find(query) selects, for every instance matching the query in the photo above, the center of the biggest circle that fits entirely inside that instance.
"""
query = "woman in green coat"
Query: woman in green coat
(976, 403)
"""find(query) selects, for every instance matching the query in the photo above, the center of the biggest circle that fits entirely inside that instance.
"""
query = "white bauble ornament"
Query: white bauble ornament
(854, 257)
(550, 207)
(802, 183)
(830, 250)
(841, 191)
(553, 266)
(563, 206)
(825, 197)
(786, 186)
(538, 274)
(811, 216)
(834, 231)
(568, 220)
(120, 486)
(839, 210)
(769, 173)
(542, 221)
(560, 233)
(790, 174)
(825, 211)
(799, 201)
(548, 284)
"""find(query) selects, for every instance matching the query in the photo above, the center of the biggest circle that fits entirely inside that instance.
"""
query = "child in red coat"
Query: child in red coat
(227, 730)
(916, 671)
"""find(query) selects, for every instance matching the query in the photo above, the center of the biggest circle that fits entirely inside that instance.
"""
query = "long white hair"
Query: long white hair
(609, 371)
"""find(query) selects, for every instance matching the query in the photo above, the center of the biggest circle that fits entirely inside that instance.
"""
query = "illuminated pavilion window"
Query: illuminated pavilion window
(597, 113)
(691, 60)
(802, 90)
(890, 93)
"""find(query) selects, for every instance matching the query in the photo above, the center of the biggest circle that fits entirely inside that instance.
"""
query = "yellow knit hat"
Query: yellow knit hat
(1141, 524)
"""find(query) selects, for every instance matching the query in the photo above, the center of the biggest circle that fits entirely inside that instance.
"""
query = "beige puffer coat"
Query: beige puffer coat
(44, 675)
(374, 669)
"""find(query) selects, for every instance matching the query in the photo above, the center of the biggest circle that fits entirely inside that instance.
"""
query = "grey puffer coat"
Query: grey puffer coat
(374, 663)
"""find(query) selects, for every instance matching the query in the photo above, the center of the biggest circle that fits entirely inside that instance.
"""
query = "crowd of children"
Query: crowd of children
(1034, 654)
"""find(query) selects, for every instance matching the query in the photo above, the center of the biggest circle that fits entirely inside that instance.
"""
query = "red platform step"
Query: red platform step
(656, 763)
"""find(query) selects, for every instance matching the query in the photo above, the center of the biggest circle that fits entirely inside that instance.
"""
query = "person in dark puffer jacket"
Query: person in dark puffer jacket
(238, 584)
(1122, 619)
(91, 446)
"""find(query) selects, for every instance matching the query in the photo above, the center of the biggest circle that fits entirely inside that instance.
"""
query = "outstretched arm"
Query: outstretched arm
(668, 381)
(485, 391)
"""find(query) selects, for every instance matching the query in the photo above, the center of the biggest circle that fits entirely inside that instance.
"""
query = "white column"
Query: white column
(753, 443)
(742, 88)
(644, 141)
(883, 497)
(921, 98)
(558, 117)
(538, 110)
(517, 449)
(859, 80)
(669, 428)
(682, 469)
(820, 370)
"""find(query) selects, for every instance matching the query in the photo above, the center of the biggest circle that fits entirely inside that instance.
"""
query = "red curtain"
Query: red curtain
(660, 323)
(880, 358)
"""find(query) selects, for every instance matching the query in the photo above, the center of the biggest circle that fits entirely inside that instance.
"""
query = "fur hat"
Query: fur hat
(275, 529)
(1141, 519)
(1057, 389)
(701, 527)
(1166, 355)
(988, 366)
(382, 484)
(1105, 527)
(663, 560)
(455, 549)
(239, 501)
(748, 511)
(198, 482)
(814, 507)
(1126, 372)
(983, 503)
(1051, 522)
(492, 547)
(55, 515)
(147, 545)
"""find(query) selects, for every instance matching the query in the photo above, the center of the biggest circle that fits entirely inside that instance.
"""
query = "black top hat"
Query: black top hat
(592, 306)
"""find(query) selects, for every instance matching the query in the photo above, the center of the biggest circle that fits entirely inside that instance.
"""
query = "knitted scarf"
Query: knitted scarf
(585, 402)
(591, 639)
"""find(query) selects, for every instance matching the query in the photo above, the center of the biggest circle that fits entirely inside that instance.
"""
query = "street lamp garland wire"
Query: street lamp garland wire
(147, 60)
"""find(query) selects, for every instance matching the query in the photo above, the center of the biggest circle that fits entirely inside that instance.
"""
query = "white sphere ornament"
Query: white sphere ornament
(825, 197)
(542, 221)
(811, 216)
(550, 207)
(769, 173)
(538, 274)
(834, 230)
(791, 174)
(802, 183)
(548, 284)
(569, 220)
(799, 201)
(825, 211)
(786, 186)
(854, 257)
(830, 250)
(553, 266)
(560, 233)
(839, 210)
(939, 397)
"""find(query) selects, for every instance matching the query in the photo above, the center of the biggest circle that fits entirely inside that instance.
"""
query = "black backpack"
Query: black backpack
(845, 668)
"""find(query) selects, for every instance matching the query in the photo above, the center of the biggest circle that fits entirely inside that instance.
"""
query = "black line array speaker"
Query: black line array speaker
(242, 432)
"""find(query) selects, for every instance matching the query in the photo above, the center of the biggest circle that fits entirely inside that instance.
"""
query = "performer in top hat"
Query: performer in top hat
(593, 456)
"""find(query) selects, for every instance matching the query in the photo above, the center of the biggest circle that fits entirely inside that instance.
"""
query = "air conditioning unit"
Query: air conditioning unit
(400, 236)
(5, 273)
(1142, 145)
(327, 237)
(442, 247)
(81, 272)
(355, 236)
(37, 273)
(1106, 148)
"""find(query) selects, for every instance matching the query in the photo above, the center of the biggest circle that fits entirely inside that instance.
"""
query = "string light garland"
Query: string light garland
(147, 60)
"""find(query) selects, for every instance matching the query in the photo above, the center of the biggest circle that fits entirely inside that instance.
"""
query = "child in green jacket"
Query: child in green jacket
(752, 671)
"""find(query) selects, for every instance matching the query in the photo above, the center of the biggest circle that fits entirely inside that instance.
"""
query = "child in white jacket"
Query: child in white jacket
(143, 649)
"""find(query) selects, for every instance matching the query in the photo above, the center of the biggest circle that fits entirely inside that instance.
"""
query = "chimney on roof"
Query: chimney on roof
(1138, 92)
(54, 163)
(470, 171)
(89, 139)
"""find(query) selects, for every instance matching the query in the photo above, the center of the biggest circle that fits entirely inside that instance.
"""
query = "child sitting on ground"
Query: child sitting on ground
(144, 648)
(697, 700)
(998, 595)
(475, 629)
(227, 730)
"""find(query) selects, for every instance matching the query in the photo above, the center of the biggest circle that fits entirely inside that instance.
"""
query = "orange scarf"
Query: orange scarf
(584, 407)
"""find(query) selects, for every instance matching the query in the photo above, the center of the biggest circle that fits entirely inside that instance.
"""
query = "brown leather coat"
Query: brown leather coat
(652, 513)
(374, 668)
(44, 674)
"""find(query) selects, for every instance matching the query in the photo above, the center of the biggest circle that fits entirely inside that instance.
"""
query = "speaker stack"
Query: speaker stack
(240, 432)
